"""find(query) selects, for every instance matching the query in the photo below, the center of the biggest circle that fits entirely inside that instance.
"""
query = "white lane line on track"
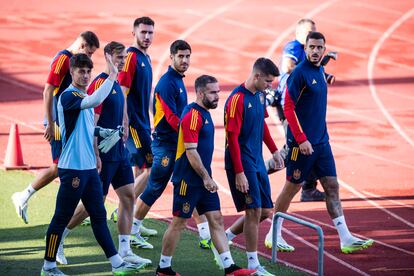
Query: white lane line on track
(388, 199)
(193, 28)
(285, 34)
(371, 65)
(357, 235)
(20, 122)
(373, 203)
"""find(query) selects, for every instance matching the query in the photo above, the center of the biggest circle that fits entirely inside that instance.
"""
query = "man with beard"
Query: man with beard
(192, 178)
(308, 140)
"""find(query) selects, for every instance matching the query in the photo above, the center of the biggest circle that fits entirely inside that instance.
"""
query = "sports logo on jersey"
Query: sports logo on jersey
(296, 174)
(149, 158)
(186, 208)
(165, 160)
(75, 182)
(206, 121)
(142, 64)
(261, 98)
(314, 81)
(249, 105)
(248, 199)
(181, 91)
(114, 91)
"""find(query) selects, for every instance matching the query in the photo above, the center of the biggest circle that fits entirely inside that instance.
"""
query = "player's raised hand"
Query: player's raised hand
(113, 69)
(306, 148)
(241, 183)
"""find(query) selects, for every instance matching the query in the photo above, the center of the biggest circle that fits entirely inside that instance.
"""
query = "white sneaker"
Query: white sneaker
(138, 241)
(148, 232)
(21, 208)
(60, 256)
(261, 271)
(52, 272)
(126, 269)
(132, 258)
(282, 245)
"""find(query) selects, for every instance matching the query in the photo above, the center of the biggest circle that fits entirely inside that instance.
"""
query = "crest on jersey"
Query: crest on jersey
(75, 182)
(296, 174)
(186, 208)
(261, 98)
(165, 160)
(248, 199)
(149, 157)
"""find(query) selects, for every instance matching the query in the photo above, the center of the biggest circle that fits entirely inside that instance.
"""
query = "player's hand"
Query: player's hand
(49, 133)
(306, 148)
(241, 183)
(278, 160)
(113, 70)
(210, 185)
(125, 124)
(98, 163)
(330, 79)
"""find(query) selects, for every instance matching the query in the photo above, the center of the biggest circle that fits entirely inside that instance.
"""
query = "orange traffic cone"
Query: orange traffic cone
(14, 157)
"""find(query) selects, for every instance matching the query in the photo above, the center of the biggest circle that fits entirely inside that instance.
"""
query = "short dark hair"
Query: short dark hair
(80, 61)
(304, 21)
(315, 35)
(113, 46)
(179, 45)
(90, 38)
(143, 20)
(266, 66)
(202, 81)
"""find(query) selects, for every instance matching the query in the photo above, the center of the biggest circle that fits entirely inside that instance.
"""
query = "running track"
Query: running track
(370, 113)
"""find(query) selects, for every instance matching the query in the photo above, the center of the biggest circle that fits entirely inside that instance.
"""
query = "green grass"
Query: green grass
(22, 246)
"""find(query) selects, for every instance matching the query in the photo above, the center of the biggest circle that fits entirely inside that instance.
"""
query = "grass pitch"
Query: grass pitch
(22, 246)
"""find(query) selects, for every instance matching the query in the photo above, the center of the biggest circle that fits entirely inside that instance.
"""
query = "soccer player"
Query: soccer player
(77, 171)
(136, 83)
(246, 129)
(113, 165)
(308, 140)
(58, 80)
(192, 178)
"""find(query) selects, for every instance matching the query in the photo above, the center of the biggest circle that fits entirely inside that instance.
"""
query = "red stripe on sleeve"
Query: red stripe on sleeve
(234, 148)
(292, 119)
(58, 70)
(191, 125)
(126, 76)
(267, 139)
(172, 119)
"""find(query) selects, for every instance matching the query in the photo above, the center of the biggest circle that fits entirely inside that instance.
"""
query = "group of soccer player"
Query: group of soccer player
(100, 134)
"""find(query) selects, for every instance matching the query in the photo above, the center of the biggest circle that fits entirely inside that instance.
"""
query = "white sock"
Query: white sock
(116, 260)
(226, 259)
(165, 261)
(136, 225)
(48, 265)
(27, 193)
(230, 235)
(252, 260)
(64, 235)
(124, 247)
(204, 230)
(344, 235)
(279, 226)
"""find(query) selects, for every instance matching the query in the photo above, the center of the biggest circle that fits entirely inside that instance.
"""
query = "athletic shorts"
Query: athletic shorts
(139, 147)
(258, 195)
(56, 148)
(161, 171)
(186, 198)
(299, 166)
(119, 173)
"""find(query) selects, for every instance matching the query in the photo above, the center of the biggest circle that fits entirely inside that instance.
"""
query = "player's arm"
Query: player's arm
(190, 127)
(234, 119)
(58, 70)
(288, 64)
(103, 91)
(294, 89)
(95, 145)
(165, 95)
(125, 78)
(270, 144)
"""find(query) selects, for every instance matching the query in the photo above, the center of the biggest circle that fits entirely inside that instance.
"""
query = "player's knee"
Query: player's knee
(216, 221)
(266, 213)
(178, 224)
(253, 214)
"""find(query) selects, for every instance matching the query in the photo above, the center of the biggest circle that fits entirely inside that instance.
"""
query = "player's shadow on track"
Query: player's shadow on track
(13, 90)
